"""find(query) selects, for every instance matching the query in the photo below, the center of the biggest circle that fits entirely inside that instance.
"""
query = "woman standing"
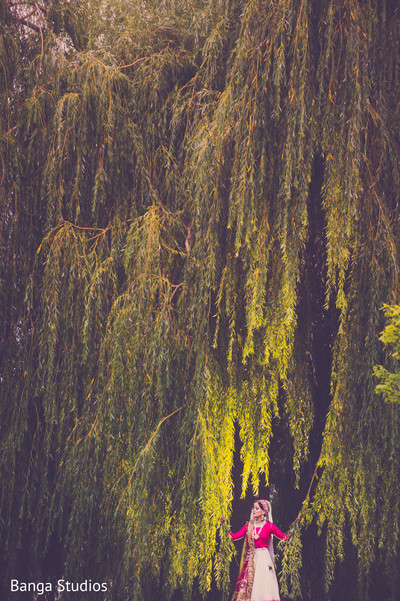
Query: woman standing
(257, 578)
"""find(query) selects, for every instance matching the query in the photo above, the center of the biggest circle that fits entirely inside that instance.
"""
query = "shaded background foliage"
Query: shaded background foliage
(199, 228)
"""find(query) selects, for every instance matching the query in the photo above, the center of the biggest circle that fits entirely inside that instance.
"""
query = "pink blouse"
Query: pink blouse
(264, 534)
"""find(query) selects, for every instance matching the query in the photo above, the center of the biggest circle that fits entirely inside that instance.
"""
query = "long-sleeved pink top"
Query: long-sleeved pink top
(263, 535)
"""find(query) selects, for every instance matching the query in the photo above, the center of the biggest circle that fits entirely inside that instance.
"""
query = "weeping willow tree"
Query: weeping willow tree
(156, 167)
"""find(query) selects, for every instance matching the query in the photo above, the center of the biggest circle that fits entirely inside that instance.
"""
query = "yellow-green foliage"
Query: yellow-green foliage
(390, 380)
(155, 170)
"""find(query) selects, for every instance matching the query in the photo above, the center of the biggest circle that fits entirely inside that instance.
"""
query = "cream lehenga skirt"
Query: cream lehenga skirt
(265, 584)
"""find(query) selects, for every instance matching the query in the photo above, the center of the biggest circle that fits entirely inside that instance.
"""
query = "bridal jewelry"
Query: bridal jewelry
(256, 531)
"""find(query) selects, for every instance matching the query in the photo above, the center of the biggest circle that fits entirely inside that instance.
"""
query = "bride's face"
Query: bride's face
(257, 512)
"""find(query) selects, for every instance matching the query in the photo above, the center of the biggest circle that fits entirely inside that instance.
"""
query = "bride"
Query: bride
(257, 578)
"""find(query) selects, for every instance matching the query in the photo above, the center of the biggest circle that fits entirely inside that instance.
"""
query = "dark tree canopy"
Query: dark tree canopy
(157, 162)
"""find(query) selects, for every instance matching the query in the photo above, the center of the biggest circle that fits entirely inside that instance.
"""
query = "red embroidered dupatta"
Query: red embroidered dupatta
(244, 583)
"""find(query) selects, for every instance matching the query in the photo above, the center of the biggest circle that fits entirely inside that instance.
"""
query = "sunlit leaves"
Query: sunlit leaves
(292, 561)
(389, 385)
(155, 171)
